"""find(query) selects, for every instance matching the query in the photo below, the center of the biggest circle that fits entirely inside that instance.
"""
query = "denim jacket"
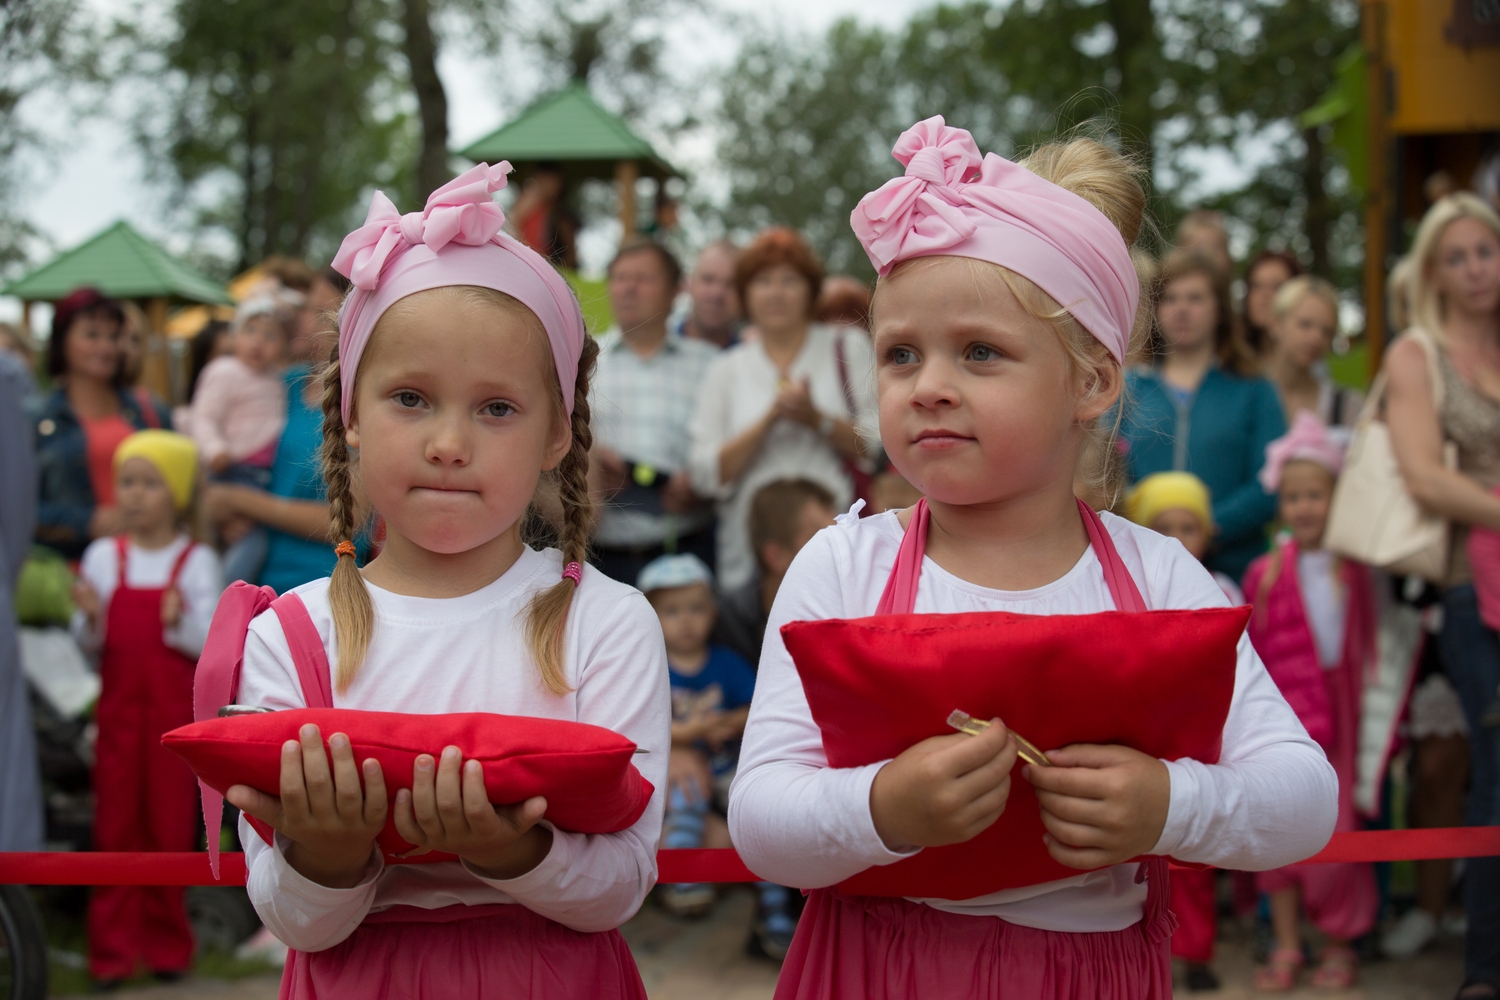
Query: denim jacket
(65, 494)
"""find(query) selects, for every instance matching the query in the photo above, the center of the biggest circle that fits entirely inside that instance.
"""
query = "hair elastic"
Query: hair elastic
(344, 548)
(573, 571)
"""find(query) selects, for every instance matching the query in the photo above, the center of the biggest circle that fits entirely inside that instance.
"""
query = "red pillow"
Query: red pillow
(1158, 681)
(585, 772)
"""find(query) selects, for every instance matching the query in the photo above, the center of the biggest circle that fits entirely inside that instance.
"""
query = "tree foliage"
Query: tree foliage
(274, 119)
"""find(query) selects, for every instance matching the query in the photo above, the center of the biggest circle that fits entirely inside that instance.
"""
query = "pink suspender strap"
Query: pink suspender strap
(900, 595)
(1117, 578)
(308, 654)
(218, 678)
(122, 552)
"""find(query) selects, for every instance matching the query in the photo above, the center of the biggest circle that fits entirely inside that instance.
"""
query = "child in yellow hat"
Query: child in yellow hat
(1178, 505)
(145, 600)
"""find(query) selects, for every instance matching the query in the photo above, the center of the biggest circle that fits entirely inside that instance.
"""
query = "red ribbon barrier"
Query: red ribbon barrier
(191, 868)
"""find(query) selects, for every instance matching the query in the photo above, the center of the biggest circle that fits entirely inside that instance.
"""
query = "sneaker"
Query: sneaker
(1200, 978)
(775, 925)
(1414, 931)
(687, 899)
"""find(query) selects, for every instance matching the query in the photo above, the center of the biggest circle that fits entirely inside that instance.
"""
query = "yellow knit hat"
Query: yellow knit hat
(1169, 491)
(174, 455)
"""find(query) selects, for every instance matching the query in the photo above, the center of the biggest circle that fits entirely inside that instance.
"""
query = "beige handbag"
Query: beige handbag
(1374, 519)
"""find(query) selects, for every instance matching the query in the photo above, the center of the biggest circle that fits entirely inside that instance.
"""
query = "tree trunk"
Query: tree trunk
(1319, 205)
(1137, 58)
(432, 101)
(247, 203)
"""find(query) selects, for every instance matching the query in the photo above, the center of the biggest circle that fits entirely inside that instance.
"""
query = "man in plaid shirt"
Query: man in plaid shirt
(642, 397)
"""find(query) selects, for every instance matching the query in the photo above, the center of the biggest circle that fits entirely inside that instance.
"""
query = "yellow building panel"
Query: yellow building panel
(1440, 86)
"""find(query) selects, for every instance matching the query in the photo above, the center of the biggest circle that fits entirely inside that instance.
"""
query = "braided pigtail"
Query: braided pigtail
(547, 616)
(353, 613)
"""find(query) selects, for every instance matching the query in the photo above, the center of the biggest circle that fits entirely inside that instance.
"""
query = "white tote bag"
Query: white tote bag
(1374, 520)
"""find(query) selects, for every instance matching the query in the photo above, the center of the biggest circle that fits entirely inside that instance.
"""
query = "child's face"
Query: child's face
(1305, 496)
(1188, 311)
(778, 556)
(1306, 333)
(978, 399)
(687, 617)
(455, 419)
(260, 343)
(1185, 526)
(144, 499)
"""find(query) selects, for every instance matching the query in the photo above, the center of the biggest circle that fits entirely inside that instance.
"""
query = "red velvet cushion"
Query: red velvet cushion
(1158, 681)
(585, 772)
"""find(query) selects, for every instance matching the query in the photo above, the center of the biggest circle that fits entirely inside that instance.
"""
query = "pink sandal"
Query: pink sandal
(1337, 968)
(1279, 974)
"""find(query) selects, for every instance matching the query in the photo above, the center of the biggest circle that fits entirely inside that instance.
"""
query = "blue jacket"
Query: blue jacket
(65, 496)
(1220, 437)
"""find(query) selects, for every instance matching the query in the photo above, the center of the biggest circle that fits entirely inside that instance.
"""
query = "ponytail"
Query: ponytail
(547, 615)
(348, 599)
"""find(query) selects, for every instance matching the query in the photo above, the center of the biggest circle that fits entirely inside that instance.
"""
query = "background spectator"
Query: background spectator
(294, 510)
(714, 305)
(14, 341)
(81, 422)
(21, 816)
(543, 218)
(1203, 231)
(1455, 297)
(784, 516)
(1201, 409)
(135, 332)
(1304, 322)
(844, 301)
(785, 404)
(644, 390)
(1267, 271)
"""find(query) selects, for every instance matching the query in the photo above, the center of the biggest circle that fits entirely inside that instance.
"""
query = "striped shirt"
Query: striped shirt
(642, 408)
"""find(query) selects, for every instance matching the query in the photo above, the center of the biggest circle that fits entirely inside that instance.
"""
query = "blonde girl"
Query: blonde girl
(988, 390)
(1304, 322)
(1454, 299)
(457, 404)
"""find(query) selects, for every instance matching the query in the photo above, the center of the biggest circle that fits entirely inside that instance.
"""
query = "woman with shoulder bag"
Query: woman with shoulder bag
(1455, 302)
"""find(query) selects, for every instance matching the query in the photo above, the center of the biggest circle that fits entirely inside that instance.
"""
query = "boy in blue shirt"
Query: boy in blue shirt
(711, 690)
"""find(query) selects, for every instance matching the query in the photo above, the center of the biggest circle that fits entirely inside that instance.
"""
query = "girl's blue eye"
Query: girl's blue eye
(983, 352)
(903, 356)
(408, 399)
(498, 409)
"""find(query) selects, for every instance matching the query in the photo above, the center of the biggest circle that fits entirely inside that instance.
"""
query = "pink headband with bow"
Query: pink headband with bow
(455, 240)
(952, 201)
(1309, 440)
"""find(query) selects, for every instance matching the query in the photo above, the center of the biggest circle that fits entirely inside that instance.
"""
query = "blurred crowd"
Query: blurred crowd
(734, 416)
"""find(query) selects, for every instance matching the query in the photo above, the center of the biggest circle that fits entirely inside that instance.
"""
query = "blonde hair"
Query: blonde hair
(1111, 182)
(561, 509)
(1427, 308)
(1290, 295)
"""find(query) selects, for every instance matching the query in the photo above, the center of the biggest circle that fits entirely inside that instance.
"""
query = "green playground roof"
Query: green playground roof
(569, 128)
(122, 264)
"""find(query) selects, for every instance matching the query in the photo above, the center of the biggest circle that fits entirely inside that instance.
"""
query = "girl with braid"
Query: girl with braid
(457, 409)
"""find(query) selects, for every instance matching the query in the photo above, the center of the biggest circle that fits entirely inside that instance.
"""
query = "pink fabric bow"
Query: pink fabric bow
(953, 201)
(1309, 440)
(460, 210)
(456, 240)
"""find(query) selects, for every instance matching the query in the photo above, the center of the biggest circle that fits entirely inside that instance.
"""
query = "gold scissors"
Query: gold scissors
(970, 726)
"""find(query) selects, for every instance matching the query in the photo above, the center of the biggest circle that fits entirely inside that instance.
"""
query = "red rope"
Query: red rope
(191, 868)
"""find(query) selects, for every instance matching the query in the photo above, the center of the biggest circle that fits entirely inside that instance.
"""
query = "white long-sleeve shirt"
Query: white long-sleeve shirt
(200, 583)
(1271, 800)
(469, 654)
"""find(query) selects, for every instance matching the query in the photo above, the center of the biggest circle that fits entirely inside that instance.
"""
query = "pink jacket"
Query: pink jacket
(1284, 640)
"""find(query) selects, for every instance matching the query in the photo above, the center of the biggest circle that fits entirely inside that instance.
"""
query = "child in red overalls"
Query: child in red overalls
(145, 601)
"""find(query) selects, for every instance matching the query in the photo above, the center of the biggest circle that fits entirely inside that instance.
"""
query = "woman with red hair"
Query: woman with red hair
(786, 403)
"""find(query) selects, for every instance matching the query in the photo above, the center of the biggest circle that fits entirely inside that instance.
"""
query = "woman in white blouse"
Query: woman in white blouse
(795, 399)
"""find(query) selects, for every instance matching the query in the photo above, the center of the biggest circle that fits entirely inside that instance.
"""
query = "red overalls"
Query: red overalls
(145, 798)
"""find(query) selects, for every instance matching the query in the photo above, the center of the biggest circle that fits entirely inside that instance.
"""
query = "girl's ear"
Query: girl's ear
(1101, 390)
(351, 432)
(558, 443)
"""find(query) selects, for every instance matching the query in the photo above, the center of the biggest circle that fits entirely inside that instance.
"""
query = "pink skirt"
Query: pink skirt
(885, 948)
(458, 952)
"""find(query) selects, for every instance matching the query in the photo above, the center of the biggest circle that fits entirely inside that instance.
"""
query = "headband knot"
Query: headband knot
(952, 200)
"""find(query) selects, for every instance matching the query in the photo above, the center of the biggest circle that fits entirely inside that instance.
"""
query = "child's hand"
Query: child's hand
(1101, 805)
(446, 812)
(944, 790)
(688, 770)
(220, 462)
(725, 727)
(171, 607)
(87, 599)
(331, 822)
